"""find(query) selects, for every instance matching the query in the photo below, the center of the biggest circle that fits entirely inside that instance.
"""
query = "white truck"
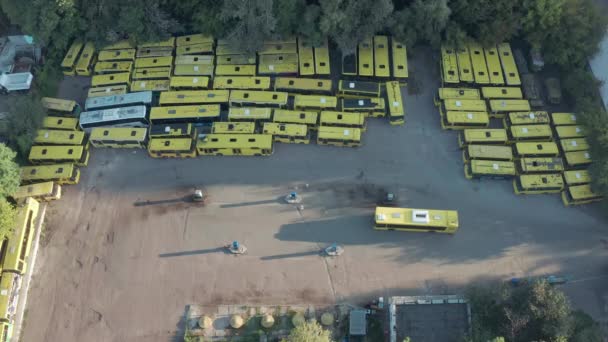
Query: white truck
(17, 82)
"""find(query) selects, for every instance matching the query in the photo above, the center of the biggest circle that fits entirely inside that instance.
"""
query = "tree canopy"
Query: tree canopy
(9, 171)
(308, 332)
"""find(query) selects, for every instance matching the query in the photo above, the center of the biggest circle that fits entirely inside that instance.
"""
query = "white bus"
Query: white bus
(134, 116)
(114, 101)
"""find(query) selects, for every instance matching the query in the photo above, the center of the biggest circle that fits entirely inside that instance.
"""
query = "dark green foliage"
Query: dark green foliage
(24, 118)
(9, 171)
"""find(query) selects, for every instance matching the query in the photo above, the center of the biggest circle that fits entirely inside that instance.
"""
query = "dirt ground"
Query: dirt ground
(109, 270)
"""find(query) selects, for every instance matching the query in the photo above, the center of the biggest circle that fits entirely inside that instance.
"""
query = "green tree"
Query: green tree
(584, 328)
(207, 20)
(308, 332)
(251, 22)
(540, 18)
(577, 35)
(9, 171)
(309, 25)
(7, 218)
(25, 117)
(429, 19)
(288, 14)
(348, 22)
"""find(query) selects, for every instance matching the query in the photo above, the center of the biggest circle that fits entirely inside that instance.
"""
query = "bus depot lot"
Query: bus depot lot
(112, 271)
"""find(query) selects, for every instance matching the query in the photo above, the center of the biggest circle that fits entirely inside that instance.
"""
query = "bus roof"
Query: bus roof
(59, 105)
(25, 219)
(189, 82)
(508, 64)
(158, 51)
(502, 92)
(306, 84)
(86, 56)
(116, 55)
(522, 118)
(465, 70)
(466, 105)
(241, 82)
(359, 87)
(315, 101)
(106, 91)
(72, 55)
(478, 60)
(113, 66)
(102, 115)
(363, 104)
(548, 180)
(194, 60)
(270, 48)
(170, 144)
(581, 192)
(150, 85)
(577, 177)
(194, 49)
(490, 151)
(578, 158)
(531, 131)
(59, 122)
(152, 73)
(459, 93)
(570, 131)
(56, 152)
(574, 144)
(33, 190)
(366, 57)
(249, 113)
(191, 39)
(449, 65)
(260, 97)
(118, 133)
(171, 130)
(381, 59)
(47, 172)
(111, 79)
(170, 42)
(235, 70)
(467, 117)
(295, 116)
(193, 69)
(237, 59)
(233, 127)
(493, 167)
(339, 133)
(345, 118)
(152, 62)
(306, 58)
(399, 59)
(119, 45)
(321, 53)
(482, 134)
(184, 112)
(418, 217)
(276, 128)
(563, 119)
(393, 95)
(552, 164)
(194, 96)
(60, 137)
(210, 141)
(142, 97)
(494, 67)
(536, 148)
(509, 105)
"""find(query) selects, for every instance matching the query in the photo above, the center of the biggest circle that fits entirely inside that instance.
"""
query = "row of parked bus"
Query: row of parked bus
(474, 64)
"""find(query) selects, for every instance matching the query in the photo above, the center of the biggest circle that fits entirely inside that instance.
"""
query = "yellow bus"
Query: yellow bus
(275, 99)
(399, 54)
(193, 70)
(366, 58)
(118, 137)
(501, 93)
(10, 286)
(150, 85)
(562, 119)
(107, 91)
(194, 49)
(235, 70)
(84, 66)
(235, 59)
(577, 177)
(462, 105)
(122, 78)
(61, 107)
(487, 152)
(43, 192)
(169, 42)
(66, 173)
(249, 114)
(339, 136)
(580, 194)
(381, 61)
(482, 136)
(540, 165)
(59, 137)
(449, 65)
(172, 147)
(126, 55)
(172, 130)
(322, 59)
(496, 169)
(154, 62)
(235, 145)
(189, 83)
(465, 70)
(194, 60)
(530, 133)
(570, 131)
(277, 47)
(57, 122)
(287, 133)
(159, 51)
(241, 82)
(499, 108)
(306, 58)
(278, 64)
(17, 251)
(536, 149)
(233, 128)
(76, 154)
(416, 220)
(192, 39)
(113, 67)
(119, 45)
(188, 97)
(526, 118)
(494, 68)
(308, 118)
(577, 159)
(373, 106)
(69, 61)
(478, 61)
(457, 94)
(184, 114)
(395, 103)
(303, 85)
(549, 183)
(160, 73)
(508, 64)
(463, 120)
(358, 88)
(342, 119)
(574, 144)
(315, 102)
